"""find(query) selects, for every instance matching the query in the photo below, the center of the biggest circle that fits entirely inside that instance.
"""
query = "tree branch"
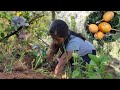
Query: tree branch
(44, 41)
(20, 28)
(11, 34)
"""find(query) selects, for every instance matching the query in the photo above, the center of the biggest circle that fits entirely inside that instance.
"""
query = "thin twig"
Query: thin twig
(43, 40)
(115, 29)
(35, 18)
(11, 34)
(99, 21)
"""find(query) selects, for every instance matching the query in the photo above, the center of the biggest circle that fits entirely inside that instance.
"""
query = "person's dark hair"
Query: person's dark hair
(60, 29)
(77, 35)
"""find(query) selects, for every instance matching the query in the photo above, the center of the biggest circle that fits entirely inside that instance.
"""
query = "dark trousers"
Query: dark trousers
(86, 60)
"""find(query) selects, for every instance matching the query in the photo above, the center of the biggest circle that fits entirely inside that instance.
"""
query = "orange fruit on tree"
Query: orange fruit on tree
(104, 27)
(108, 16)
(93, 28)
(99, 35)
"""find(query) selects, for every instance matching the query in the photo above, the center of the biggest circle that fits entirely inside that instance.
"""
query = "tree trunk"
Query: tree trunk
(53, 15)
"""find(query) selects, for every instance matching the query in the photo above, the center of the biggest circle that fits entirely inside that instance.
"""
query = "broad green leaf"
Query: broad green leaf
(104, 58)
(38, 61)
(75, 63)
(116, 36)
(94, 58)
(91, 67)
(75, 74)
(35, 53)
(115, 21)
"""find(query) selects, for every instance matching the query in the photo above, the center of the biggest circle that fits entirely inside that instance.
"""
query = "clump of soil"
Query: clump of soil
(19, 66)
(28, 59)
(21, 71)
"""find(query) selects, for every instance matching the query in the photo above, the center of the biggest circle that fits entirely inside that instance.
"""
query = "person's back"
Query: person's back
(83, 47)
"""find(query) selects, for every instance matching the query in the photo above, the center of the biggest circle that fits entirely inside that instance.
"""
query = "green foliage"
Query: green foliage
(94, 17)
(37, 61)
(2, 35)
(73, 23)
(115, 21)
(40, 56)
(39, 28)
(116, 36)
(22, 54)
(100, 63)
(26, 14)
(13, 46)
(95, 70)
(75, 74)
(7, 14)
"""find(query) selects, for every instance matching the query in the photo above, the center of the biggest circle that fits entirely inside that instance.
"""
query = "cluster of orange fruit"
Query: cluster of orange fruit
(103, 27)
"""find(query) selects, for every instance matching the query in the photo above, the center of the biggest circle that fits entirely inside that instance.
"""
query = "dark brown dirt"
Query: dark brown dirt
(28, 59)
(21, 71)
(22, 75)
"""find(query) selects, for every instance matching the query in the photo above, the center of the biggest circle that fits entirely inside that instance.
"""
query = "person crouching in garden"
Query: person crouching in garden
(67, 41)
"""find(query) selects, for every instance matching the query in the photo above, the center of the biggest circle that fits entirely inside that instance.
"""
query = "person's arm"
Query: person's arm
(72, 46)
(62, 61)
(52, 51)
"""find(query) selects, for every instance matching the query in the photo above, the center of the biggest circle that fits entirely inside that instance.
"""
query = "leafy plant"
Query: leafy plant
(73, 23)
(75, 72)
(95, 70)
(99, 65)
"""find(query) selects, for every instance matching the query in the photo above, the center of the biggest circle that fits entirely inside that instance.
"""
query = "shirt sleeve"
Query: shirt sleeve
(72, 46)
